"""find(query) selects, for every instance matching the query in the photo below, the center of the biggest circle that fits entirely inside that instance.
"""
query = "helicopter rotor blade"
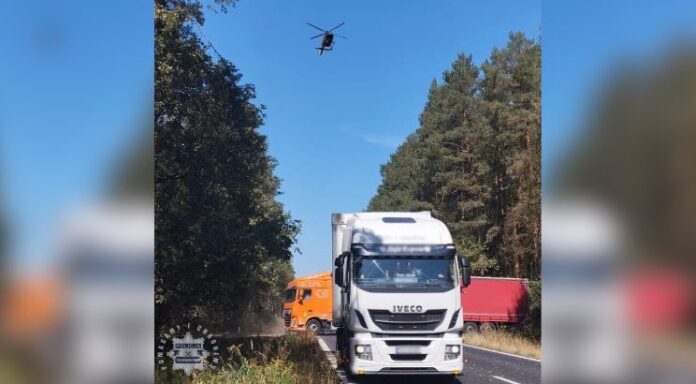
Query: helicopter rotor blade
(314, 26)
(319, 35)
(341, 36)
(336, 27)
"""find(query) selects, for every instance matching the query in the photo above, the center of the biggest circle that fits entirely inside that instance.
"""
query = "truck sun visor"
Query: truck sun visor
(393, 220)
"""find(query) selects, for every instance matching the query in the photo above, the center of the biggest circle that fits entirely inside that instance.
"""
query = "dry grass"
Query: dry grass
(504, 342)
(289, 359)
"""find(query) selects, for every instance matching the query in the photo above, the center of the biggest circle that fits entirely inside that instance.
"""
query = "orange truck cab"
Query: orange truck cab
(308, 303)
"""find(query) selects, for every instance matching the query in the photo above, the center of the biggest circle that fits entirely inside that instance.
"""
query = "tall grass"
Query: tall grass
(505, 341)
(288, 359)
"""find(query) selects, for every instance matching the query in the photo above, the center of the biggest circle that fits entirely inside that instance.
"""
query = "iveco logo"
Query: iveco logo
(408, 308)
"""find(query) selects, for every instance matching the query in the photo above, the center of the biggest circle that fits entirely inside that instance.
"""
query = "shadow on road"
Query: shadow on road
(410, 379)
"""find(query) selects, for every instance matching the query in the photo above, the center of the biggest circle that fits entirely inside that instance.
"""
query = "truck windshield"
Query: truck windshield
(289, 295)
(404, 273)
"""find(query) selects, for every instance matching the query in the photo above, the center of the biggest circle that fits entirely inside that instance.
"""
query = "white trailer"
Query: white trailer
(396, 306)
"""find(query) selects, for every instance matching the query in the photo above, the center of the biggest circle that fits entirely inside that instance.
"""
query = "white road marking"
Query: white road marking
(328, 352)
(331, 356)
(505, 380)
(503, 353)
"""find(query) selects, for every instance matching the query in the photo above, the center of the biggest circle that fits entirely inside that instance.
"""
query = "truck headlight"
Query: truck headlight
(452, 351)
(363, 351)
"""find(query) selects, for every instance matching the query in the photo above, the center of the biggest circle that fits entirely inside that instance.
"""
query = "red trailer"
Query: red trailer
(491, 302)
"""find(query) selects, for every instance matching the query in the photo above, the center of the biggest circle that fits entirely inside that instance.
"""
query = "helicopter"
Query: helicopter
(327, 42)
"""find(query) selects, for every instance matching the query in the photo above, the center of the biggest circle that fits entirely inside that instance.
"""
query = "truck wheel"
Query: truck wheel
(488, 327)
(313, 326)
(470, 327)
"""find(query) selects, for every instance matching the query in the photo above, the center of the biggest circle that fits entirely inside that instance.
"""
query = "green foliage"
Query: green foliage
(222, 239)
(403, 180)
(276, 372)
(134, 177)
(532, 325)
(475, 160)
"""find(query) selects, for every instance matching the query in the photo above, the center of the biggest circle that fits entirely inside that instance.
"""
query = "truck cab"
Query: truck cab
(397, 302)
(307, 303)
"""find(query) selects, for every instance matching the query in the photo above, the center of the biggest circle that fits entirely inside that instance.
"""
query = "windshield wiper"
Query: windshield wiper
(378, 267)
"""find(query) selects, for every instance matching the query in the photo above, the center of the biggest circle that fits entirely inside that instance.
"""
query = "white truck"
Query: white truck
(396, 295)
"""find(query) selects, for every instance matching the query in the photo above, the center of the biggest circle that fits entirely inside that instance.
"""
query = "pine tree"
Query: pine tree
(475, 160)
(403, 180)
(511, 90)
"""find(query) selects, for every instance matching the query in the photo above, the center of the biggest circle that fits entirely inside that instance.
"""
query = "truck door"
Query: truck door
(306, 305)
(305, 299)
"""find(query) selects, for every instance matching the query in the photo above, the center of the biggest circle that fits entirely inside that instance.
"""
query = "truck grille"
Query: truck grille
(409, 369)
(426, 321)
(410, 357)
(286, 318)
(394, 343)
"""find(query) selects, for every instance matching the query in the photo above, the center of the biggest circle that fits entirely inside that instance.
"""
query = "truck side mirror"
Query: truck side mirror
(339, 277)
(465, 270)
(341, 259)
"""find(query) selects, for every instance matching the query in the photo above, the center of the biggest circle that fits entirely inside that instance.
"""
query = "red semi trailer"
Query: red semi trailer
(489, 303)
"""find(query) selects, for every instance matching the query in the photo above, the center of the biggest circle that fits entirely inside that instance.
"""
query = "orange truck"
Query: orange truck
(308, 303)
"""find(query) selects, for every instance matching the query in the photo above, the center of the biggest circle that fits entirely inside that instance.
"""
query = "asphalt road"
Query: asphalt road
(480, 366)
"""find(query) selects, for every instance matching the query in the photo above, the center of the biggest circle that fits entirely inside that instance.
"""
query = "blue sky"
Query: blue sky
(76, 81)
(332, 120)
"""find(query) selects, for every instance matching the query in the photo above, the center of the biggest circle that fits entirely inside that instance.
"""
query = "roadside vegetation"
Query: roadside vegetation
(219, 226)
(505, 341)
(475, 163)
(288, 359)
(475, 160)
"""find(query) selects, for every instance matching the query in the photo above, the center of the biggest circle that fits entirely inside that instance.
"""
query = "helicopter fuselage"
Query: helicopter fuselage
(327, 41)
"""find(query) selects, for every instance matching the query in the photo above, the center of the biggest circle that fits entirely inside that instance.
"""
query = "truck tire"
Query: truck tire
(314, 326)
(470, 327)
(488, 327)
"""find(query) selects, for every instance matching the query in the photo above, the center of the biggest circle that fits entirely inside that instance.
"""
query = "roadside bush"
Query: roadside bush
(532, 325)
(289, 359)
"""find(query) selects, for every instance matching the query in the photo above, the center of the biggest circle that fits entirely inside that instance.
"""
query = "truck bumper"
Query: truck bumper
(405, 355)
